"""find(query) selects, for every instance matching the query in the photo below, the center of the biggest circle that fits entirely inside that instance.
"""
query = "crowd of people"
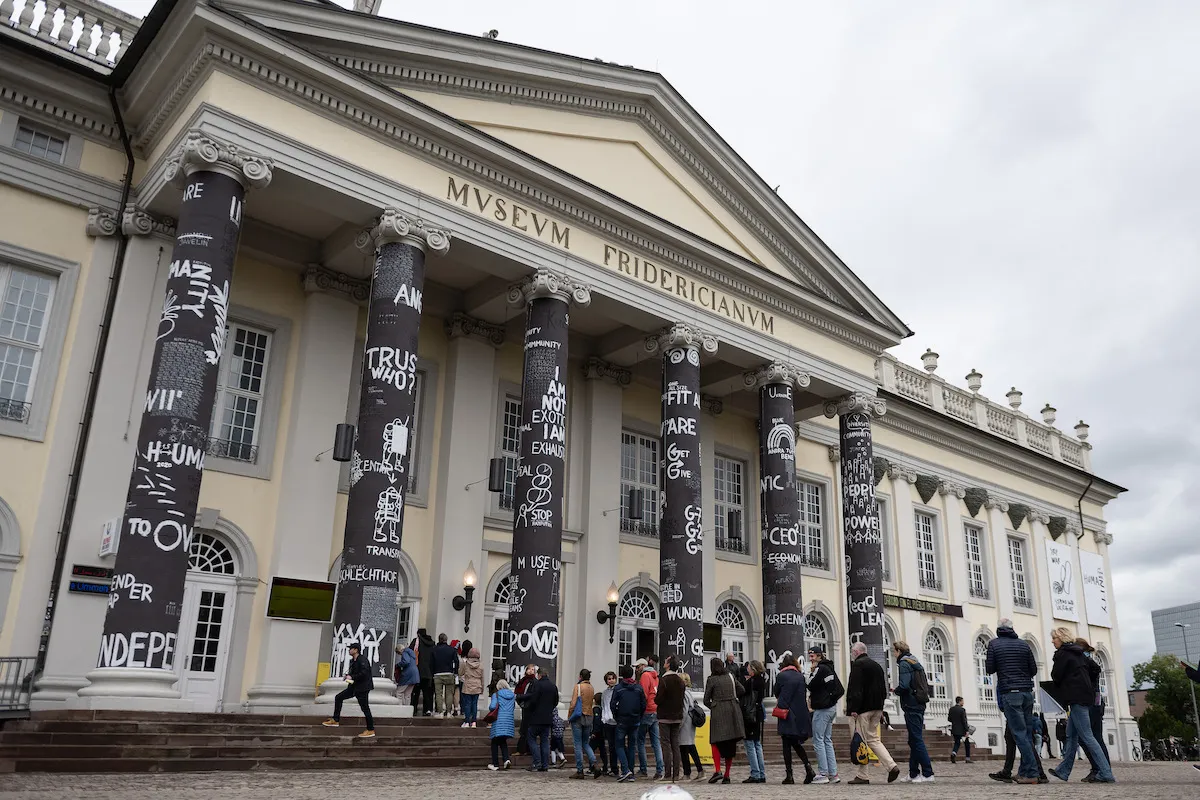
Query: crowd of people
(610, 726)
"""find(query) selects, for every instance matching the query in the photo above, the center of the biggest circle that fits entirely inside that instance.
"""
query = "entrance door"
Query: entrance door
(204, 632)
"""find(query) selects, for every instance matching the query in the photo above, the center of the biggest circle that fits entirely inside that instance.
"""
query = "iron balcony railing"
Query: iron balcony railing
(236, 451)
(733, 544)
(16, 685)
(14, 410)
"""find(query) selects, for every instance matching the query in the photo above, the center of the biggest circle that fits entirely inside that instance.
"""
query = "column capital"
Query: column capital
(546, 283)
(857, 402)
(1037, 515)
(898, 473)
(595, 369)
(1101, 537)
(322, 279)
(202, 152)
(136, 221)
(996, 504)
(774, 373)
(101, 222)
(681, 335)
(460, 325)
(393, 225)
(947, 487)
(713, 405)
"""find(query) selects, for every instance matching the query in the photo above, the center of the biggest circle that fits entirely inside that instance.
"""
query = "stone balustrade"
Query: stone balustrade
(934, 392)
(91, 30)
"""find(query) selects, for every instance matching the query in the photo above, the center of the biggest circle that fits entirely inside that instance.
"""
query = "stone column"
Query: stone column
(304, 521)
(783, 601)
(538, 521)
(137, 649)
(864, 553)
(368, 587)
(681, 528)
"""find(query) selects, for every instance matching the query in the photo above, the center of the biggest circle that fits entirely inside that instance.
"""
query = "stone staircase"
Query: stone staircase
(130, 741)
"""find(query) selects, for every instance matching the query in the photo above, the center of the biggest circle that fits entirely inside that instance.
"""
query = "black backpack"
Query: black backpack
(918, 685)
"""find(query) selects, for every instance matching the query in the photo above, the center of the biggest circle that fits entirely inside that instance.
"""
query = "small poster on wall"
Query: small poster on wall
(1059, 565)
(1095, 589)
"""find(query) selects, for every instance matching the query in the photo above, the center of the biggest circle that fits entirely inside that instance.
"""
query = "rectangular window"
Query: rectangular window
(510, 448)
(885, 539)
(241, 382)
(639, 470)
(624, 647)
(973, 540)
(927, 568)
(25, 301)
(1016, 568)
(728, 492)
(812, 530)
(40, 144)
(499, 640)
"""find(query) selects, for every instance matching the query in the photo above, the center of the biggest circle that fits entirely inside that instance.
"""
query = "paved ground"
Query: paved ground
(1159, 781)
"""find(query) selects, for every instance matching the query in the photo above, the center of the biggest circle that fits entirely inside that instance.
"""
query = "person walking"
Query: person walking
(504, 702)
(583, 698)
(726, 725)
(959, 729)
(1011, 660)
(1045, 728)
(913, 692)
(470, 670)
(866, 691)
(599, 739)
(1075, 689)
(1096, 712)
(795, 724)
(608, 723)
(424, 693)
(824, 691)
(1004, 774)
(445, 670)
(1060, 732)
(753, 717)
(539, 702)
(522, 688)
(647, 676)
(670, 700)
(406, 674)
(687, 732)
(558, 727)
(628, 706)
(360, 683)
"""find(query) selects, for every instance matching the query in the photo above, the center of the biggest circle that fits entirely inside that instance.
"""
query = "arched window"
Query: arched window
(734, 637)
(637, 617)
(500, 598)
(1102, 686)
(889, 662)
(816, 632)
(935, 664)
(983, 681)
(210, 554)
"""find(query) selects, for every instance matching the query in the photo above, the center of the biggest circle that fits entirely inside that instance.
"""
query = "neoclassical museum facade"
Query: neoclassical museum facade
(610, 395)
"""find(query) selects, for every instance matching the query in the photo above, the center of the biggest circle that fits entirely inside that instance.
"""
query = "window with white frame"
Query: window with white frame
(510, 447)
(40, 143)
(816, 632)
(889, 663)
(935, 665)
(975, 548)
(734, 630)
(729, 495)
(812, 530)
(1102, 681)
(885, 539)
(241, 384)
(26, 298)
(983, 681)
(639, 470)
(637, 619)
(500, 598)
(927, 560)
(1016, 568)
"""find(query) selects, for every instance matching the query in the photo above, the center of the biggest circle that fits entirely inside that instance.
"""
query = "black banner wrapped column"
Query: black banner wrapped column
(681, 529)
(782, 548)
(369, 582)
(142, 622)
(863, 536)
(535, 578)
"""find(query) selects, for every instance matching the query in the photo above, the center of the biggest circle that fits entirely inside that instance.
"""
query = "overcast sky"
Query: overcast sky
(1016, 180)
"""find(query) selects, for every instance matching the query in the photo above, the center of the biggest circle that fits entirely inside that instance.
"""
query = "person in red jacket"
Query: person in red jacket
(647, 669)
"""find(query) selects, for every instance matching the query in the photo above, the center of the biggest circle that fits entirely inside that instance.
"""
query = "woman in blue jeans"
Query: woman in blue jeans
(756, 686)
(824, 691)
(1076, 691)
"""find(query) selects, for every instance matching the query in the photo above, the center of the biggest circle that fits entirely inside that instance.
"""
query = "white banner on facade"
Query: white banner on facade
(1062, 581)
(1095, 589)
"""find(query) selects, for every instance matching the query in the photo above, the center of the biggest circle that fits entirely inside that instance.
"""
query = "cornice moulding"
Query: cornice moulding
(459, 324)
(598, 369)
(322, 279)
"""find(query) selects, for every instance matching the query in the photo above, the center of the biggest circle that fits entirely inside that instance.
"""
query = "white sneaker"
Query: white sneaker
(465, 725)
(906, 779)
(493, 767)
(820, 779)
(922, 779)
(507, 764)
(836, 779)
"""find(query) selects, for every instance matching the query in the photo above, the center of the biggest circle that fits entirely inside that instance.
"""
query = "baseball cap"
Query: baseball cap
(641, 662)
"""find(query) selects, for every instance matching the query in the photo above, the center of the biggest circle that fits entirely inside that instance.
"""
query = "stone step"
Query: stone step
(55, 764)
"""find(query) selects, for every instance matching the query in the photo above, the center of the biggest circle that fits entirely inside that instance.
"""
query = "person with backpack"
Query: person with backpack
(628, 705)
(824, 691)
(694, 716)
(913, 691)
(582, 703)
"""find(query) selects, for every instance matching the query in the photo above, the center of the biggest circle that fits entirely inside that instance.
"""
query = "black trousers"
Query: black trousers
(1010, 754)
(344, 695)
(689, 753)
(1096, 714)
(499, 750)
(791, 743)
(599, 743)
(424, 689)
(523, 737)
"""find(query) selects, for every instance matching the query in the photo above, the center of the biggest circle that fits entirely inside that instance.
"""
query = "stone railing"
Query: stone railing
(931, 390)
(91, 30)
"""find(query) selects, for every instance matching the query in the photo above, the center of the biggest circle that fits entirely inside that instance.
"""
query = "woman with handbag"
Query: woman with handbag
(754, 715)
(791, 711)
(583, 698)
(727, 727)
(502, 712)
(694, 716)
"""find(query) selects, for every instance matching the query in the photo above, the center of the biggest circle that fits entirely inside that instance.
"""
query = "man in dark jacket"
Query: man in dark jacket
(1011, 660)
(824, 691)
(920, 768)
(628, 705)
(359, 685)
(865, 695)
(423, 695)
(540, 701)
(445, 669)
(1075, 691)
(959, 729)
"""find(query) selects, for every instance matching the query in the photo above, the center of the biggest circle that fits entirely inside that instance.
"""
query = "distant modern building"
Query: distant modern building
(1169, 637)
(1138, 703)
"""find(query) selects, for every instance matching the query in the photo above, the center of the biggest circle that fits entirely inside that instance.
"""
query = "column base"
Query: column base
(56, 691)
(265, 699)
(383, 700)
(132, 689)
